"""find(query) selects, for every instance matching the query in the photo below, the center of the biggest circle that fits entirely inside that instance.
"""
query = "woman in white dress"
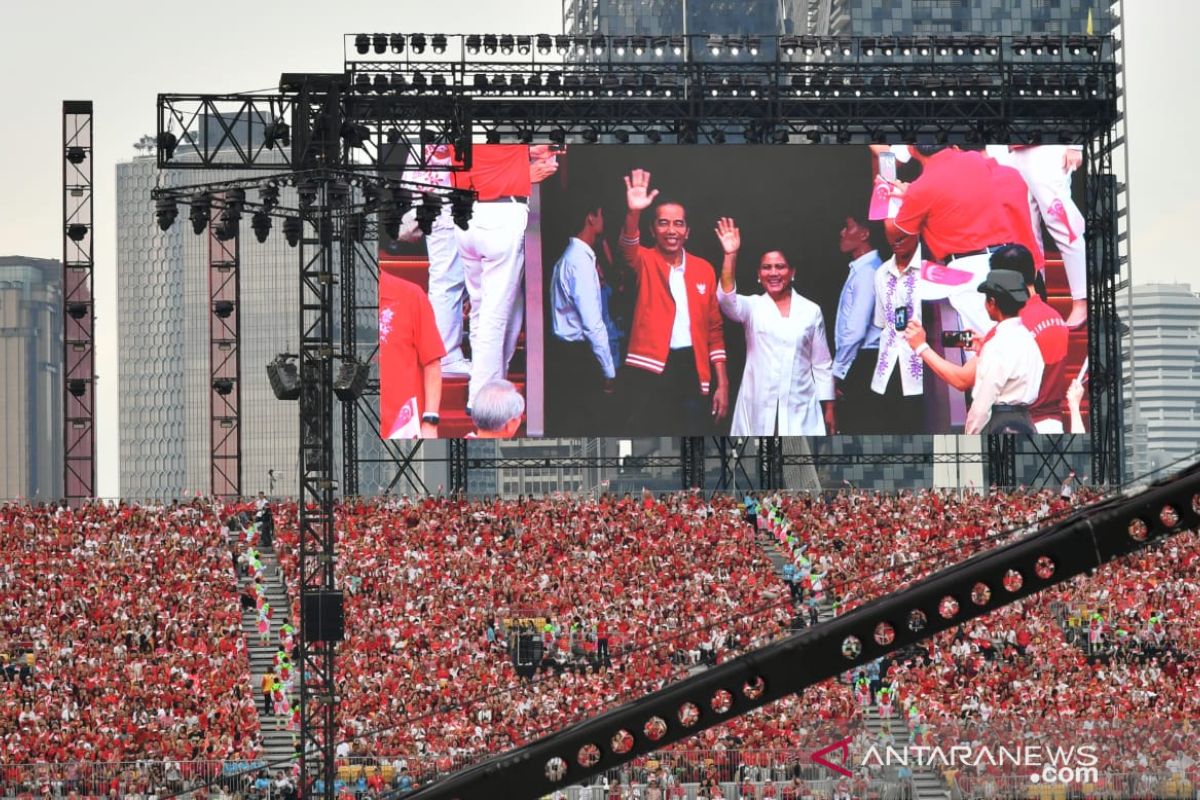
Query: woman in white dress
(787, 386)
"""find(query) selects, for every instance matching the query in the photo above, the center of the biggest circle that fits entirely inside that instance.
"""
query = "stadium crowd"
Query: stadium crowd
(141, 654)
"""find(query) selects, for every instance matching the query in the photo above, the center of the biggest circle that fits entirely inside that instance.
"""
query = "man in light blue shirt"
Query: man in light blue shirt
(855, 329)
(580, 369)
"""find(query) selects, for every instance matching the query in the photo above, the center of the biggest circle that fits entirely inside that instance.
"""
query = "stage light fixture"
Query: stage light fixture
(379, 43)
(506, 44)
(492, 137)
(306, 190)
(438, 43)
(293, 227)
(77, 387)
(167, 142)
(621, 135)
(355, 135)
(351, 379)
(590, 135)
(735, 45)
(381, 83)
(558, 135)
(677, 45)
(499, 81)
(659, 45)
(362, 83)
(223, 308)
(165, 212)
(562, 44)
(525, 136)
(581, 45)
(524, 44)
(480, 81)
(598, 45)
(780, 136)
(638, 44)
(396, 41)
(222, 386)
(416, 43)
(843, 137)
(284, 376)
(428, 211)
(717, 136)
(277, 132)
(789, 44)
(544, 44)
(362, 43)
(714, 44)
(473, 44)
(76, 155)
(653, 137)
(687, 134)
(490, 43)
(619, 46)
(261, 225)
(200, 208)
(418, 80)
(462, 208)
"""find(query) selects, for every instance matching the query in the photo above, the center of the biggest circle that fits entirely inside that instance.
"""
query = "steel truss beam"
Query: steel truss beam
(732, 456)
(318, 698)
(79, 322)
(770, 463)
(225, 362)
(1081, 543)
(691, 461)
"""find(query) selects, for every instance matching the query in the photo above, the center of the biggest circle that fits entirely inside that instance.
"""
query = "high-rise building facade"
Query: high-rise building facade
(31, 353)
(1165, 417)
(841, 17)
(163, 316)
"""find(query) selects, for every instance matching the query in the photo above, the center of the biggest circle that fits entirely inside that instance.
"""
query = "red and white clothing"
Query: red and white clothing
(1052, 337)
(655, 331)
(1050, 192)
(493, 254)
(408, 342)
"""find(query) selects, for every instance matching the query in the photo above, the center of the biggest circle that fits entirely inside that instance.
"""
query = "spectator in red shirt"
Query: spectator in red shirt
(411, 350)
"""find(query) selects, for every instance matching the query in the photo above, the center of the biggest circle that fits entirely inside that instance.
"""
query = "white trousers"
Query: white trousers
(1050, 199)
(493, 256)
(1049, 426)
(447, 286)
(966, 298)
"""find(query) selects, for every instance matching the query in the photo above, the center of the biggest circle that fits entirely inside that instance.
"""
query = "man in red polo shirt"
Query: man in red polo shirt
(677, 340)
(410, 355)
(953, 207)
(493, 251)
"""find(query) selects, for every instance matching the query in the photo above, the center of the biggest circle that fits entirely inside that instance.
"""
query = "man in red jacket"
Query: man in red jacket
(677, 339)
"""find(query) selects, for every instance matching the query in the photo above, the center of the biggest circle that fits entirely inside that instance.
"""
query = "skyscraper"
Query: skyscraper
(1166, 337)
(31, 450)
(162, 301)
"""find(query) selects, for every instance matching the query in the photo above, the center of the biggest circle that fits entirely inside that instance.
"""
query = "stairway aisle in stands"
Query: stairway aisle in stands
(277, 740)
(778, 559)
(927, 783)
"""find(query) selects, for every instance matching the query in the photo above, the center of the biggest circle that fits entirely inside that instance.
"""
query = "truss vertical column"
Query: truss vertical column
(733, 468)
(225, 363)
(770, 463)
(350, 451)
(1002, 460)
(79, 328)
(456, 450)
(1103, 326)
(691, 454)
(318, 599)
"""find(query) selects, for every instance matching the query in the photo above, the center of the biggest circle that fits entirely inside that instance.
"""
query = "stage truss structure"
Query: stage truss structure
(330, 132)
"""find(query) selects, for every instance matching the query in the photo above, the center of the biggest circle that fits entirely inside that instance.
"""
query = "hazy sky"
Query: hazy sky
(122, 54)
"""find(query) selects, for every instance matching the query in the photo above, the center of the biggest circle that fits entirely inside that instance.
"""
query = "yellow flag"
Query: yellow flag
(1091, 28)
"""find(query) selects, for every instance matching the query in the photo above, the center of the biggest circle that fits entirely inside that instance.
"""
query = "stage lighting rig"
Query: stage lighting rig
(268, 194)
(76, 155)
(379, 43)
(473, 43)
(77, 232)
(416, 43)
(306, 190)
(167, 142)
(490, 44)
(438, 42)
(362, 44)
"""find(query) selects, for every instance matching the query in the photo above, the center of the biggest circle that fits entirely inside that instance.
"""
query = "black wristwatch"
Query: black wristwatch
(431, 418)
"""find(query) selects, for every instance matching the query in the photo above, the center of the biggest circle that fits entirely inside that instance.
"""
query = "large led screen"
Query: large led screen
(641, 290)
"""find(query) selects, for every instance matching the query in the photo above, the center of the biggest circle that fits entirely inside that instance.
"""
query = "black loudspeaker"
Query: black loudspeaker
(321, 617)
(529, 649)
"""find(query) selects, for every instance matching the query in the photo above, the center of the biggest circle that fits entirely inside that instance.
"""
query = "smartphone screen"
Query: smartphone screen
(901, 318)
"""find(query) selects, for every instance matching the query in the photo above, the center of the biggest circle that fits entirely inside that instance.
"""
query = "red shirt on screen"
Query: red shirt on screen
(953, 205)
(1052, 337)
(408, 342)
(497, 170)
(1013, 195)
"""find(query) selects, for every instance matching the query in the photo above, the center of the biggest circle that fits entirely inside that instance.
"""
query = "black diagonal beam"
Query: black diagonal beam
(984, 583)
